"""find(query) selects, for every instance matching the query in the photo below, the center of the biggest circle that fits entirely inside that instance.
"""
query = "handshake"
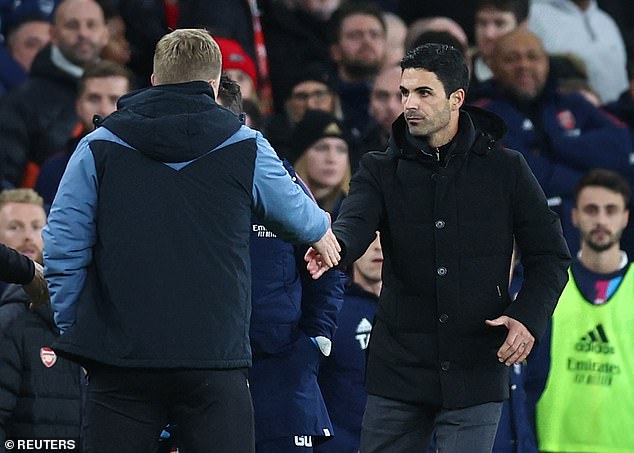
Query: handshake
(323, 255)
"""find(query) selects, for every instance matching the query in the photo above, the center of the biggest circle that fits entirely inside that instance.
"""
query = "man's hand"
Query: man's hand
(323, 255)
(518, 343)
(36, 289)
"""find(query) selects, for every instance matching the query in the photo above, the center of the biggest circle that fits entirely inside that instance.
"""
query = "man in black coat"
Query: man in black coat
(449, 202)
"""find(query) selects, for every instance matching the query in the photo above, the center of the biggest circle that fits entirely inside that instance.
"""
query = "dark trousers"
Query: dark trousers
(126, 410)
(398, 427)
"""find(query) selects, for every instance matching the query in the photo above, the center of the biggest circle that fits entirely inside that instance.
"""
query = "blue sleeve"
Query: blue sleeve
(602, 142)
(322, 300)
(70, 234)
(280, 203)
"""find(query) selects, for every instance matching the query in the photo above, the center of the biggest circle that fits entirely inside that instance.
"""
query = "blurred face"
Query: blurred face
(246, 84)
(118, 48)
(79, 31)
(491, 23)
(310, 95)
(99, 97)
(385, 98)
(428, 111)
(395, 41)
(520, 64)
(368, 267)
(322, 9)
(600, 216)
(361, 49)
(27, 41)
(326, 162)
(21, 228)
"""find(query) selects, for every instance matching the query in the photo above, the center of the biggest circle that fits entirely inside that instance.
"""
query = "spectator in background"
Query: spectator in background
(25, 39)
(37, 119)
(461, 12)
(560, 135)
(39, 392)
(146, 21)
(359, 51)
(239, 66)
(396, 32)
(312, 89)
(13, 12)
(581, 28)
(296, 36)
(100, 87)
(293, 320)
(623, 108)
(580, 376)
(385, 107)
(321, 158)
(435, 24)
(22, 218)
(342, 374)
(493, 18)
(117, 48)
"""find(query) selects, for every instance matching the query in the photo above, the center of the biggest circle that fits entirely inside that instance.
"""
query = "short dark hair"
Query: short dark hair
(447, 62)
(350, 9)
(608, 179)
(519, 8)
(439, 37)
(229, 94)
(105, 68)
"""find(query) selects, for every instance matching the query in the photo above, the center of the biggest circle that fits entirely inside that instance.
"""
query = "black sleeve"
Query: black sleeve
(545, 255)
(10, 378)
(15, 267)
(361, 212)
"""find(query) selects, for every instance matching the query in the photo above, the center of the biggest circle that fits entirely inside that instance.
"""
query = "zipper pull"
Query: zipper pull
(437, 155)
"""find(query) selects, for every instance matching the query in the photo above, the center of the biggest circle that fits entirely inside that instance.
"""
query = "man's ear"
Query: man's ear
(153, 79)
(573, 215)
(456, 99)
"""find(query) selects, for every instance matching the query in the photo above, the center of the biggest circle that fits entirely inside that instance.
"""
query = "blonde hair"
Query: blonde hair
(27, 196)
(185, 55)
(301, 168)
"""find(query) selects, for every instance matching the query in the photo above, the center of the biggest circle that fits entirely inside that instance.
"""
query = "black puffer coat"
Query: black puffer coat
(39, 391)
(447, 234)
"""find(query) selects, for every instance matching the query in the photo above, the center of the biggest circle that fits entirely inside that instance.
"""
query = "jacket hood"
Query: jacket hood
(478, 131)
(14, 294)
(172, 123)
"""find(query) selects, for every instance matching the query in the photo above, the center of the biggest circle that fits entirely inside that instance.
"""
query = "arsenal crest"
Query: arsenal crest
(48, 357)
(566, 119)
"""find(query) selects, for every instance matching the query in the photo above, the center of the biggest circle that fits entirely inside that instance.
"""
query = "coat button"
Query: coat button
(440, 224)
(444, 366)
(442, 271)
(443, 318)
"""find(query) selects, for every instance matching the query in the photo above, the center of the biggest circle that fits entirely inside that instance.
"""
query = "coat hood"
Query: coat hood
(172, 123)
(478, 131)
(14, 294)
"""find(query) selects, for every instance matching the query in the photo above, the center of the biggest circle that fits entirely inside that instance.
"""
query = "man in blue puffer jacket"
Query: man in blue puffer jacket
(293, 319)
(560, 135)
